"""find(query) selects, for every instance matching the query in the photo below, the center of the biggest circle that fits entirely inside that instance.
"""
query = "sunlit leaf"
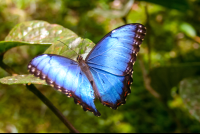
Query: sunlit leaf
(22, 79)
(188, 30)
(71, 47)
(63, 42)
(38, 32)
(190, 93)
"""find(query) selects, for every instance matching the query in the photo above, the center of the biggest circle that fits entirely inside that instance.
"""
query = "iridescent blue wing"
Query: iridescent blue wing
(65, 75)
(112, 89)
(116, 52)
(111, 63)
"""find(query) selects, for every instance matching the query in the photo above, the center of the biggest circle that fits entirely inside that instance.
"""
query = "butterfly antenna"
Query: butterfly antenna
(83, 40)
(82, 44)
(68, 46)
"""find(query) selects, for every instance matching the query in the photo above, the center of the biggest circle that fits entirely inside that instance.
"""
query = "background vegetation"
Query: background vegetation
(165, 90)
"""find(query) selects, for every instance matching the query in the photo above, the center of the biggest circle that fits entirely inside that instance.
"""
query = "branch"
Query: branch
(148, 37)
(34, 90)
(5, 67)
(147, 80)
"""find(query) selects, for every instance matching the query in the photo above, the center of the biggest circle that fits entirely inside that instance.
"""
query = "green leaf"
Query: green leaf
(38, 32)
(190, 93)
(113, 13)
(71, 47)
(6, 45)
(188, 30)
(22, 79)
(63, 42)
(34, 32)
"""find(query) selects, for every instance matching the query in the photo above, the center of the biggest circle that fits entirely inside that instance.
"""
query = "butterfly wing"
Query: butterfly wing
(111, 63)
(65, 75)
(112, 89)
(116, 52)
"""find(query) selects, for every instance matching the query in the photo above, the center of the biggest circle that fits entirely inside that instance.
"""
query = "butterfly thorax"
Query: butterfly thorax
(84, 67)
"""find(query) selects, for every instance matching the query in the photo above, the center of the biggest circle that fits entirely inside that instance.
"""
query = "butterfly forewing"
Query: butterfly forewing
(117, 51)
(65, 75)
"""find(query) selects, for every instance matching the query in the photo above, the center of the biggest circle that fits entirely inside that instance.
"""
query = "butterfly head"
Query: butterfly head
(79, 58)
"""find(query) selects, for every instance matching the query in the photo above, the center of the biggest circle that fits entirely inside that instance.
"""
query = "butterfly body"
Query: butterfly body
(106, 73)
(85, 68)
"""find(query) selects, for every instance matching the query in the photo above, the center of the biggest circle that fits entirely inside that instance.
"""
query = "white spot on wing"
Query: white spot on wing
(113, 31)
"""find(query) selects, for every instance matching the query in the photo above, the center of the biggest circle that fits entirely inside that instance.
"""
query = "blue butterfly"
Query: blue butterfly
(106, 73)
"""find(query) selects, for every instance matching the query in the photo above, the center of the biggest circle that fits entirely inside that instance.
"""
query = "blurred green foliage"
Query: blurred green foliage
(189, 91)
(170, 53)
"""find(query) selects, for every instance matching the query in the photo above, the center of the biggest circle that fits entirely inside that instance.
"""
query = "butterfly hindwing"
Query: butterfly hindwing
(66, 76)
(112, 89)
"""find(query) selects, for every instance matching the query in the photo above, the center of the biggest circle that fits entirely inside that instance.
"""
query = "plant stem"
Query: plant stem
(34, 90)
